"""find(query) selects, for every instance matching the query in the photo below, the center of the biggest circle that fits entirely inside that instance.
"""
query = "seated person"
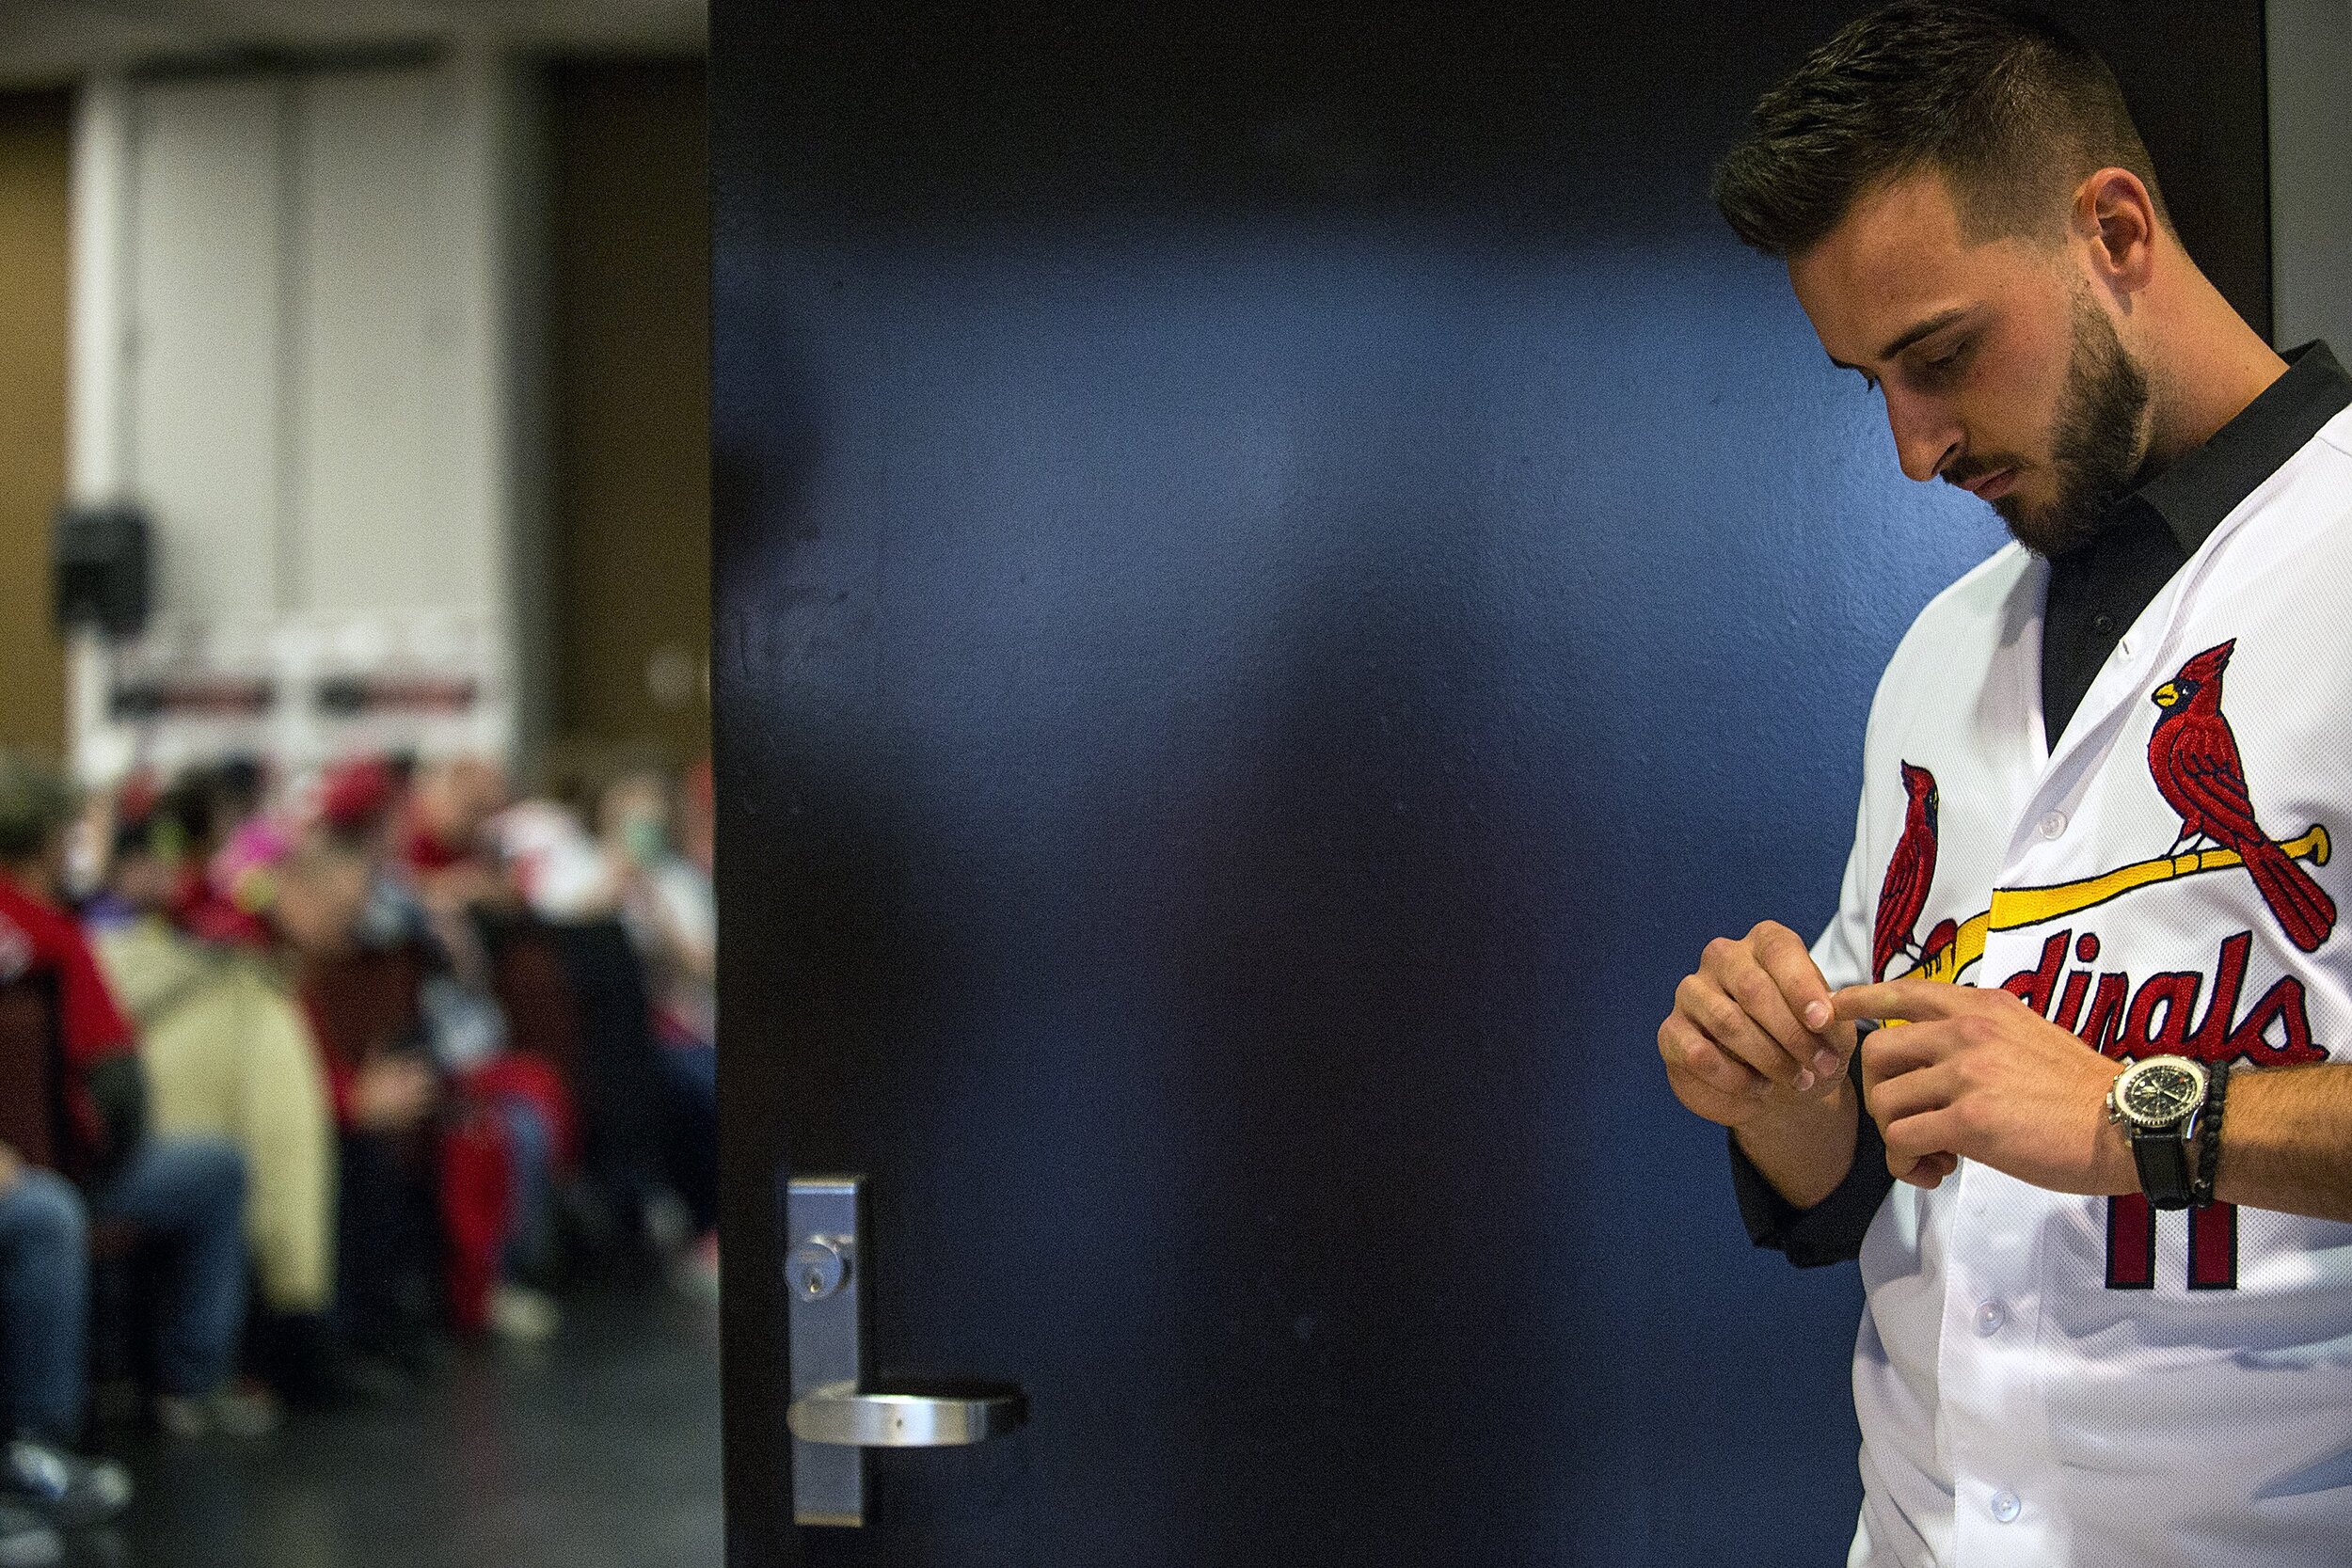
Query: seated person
(665, 899)
(229, 1054)
(449, 1139)
(184, 1195)
(441, 852)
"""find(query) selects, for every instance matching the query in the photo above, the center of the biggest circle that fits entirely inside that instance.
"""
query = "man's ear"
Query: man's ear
(2117, 218)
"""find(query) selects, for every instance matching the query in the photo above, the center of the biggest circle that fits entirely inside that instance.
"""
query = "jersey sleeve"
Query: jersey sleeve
(1832, 1230)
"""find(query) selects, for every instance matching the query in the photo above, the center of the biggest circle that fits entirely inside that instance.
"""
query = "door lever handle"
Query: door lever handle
(839, 1414)
(835, 1416)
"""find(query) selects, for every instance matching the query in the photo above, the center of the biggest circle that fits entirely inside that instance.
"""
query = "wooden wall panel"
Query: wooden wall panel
(36, 155)
(632, 387)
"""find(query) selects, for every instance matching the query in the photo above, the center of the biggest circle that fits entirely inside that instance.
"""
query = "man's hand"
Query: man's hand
(12, 1164)
(1754, 1019)
(1752, 1044)
(1977, 1074)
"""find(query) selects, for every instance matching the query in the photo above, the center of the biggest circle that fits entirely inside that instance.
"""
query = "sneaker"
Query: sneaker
(68, 1490)
(238, 1410)
(27, 1540)
(523, 1315)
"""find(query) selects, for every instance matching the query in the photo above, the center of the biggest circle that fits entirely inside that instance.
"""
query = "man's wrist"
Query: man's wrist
(2115, 1168)
(1803, 1145)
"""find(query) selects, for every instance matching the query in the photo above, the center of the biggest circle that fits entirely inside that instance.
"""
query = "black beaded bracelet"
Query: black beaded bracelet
(2209, 1134)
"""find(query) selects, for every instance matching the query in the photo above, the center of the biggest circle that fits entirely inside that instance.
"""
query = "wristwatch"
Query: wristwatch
(2156, 1099)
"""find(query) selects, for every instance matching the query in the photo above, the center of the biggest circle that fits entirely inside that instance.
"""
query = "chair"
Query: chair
(535, 994)
(34, 1121)
(624, 1098)
(364, 1004)
(32, 1101)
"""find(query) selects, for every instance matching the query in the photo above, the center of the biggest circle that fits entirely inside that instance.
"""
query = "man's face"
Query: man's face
(2001, 371)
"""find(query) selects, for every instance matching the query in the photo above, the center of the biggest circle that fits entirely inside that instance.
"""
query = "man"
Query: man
(187, 1195)
(2100, 778)
(228, 1054)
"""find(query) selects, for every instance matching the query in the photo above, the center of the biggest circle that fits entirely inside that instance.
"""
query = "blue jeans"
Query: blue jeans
(188, 1195)
(44, 1308)
(530, 1186)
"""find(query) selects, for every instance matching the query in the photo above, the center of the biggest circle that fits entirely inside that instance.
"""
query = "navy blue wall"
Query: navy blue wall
(1274, 587)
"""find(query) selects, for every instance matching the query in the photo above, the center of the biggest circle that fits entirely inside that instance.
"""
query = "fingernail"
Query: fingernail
(1804, 1080)
(1825, 1062)
(1817, 1016)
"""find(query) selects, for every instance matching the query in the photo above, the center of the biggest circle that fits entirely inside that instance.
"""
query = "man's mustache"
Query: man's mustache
(1968, 473)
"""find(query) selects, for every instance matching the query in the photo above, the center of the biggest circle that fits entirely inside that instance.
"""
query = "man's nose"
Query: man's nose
(1926, 434)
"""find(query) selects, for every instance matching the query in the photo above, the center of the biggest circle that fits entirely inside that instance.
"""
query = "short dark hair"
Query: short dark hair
(2008, 107)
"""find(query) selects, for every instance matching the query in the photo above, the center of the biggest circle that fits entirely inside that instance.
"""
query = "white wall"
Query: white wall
(305, 341)
(2310, 46)
(206, 342)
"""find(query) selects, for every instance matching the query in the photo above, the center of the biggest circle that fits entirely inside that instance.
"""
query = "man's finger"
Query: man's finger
(1798, 978)
(1915, 1139)
(1722, 1019)
(1908, 1000)
(1690, 1055)
(1891, 1052)
(1759, 993)
(1732, 967)
(1892, 1097)
(1932, 1169)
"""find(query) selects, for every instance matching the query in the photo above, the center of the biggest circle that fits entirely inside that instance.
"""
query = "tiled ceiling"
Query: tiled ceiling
(54, 41)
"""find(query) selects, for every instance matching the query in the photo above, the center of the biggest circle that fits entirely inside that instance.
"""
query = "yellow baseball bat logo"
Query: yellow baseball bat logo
(2014, 907)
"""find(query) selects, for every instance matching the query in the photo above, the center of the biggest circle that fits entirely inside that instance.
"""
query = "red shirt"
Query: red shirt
(424, 851)
(37, 938)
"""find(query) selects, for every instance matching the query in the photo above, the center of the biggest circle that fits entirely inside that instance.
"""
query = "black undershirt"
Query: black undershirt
(2095, 594)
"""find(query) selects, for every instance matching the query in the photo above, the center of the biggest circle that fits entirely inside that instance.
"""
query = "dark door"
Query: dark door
(1276, 582)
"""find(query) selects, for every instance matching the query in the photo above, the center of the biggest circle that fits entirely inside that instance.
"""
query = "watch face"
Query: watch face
(2160, 1092)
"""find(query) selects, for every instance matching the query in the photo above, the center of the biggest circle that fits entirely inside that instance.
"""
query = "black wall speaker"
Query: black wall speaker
(101, 569)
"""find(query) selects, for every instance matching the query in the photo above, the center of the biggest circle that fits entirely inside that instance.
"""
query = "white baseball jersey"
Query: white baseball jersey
(2045, 1379)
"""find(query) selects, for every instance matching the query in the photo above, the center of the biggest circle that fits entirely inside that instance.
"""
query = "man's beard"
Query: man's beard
(2095, 445)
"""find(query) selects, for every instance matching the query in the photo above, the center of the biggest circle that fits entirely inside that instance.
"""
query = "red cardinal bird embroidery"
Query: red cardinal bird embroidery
(1905, 893)
(2195, 759)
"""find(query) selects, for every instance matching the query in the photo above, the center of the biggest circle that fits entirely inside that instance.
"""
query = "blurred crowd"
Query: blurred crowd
(300, 1077)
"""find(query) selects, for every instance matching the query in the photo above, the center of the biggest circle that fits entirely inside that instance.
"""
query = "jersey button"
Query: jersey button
(2052, 824)
(2006, 1507)
(1990, 1316)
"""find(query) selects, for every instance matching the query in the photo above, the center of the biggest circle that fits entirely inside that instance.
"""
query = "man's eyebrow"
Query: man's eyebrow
(1911, 335)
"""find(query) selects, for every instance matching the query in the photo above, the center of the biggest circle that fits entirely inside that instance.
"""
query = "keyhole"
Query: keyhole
(816, 1282)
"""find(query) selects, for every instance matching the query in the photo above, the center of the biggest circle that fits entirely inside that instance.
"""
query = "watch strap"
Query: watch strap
(2209, 1134)
(2162, 1155)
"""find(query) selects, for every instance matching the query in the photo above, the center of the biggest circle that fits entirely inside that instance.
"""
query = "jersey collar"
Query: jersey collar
(2192, 495)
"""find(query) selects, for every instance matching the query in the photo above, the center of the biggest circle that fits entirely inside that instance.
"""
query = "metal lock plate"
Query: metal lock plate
(835, 1416)
(821, 1217)
(817, 1267)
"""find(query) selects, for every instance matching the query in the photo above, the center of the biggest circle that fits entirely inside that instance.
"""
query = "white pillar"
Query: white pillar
(2309, 49)
(99, 328)
(99, 345)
